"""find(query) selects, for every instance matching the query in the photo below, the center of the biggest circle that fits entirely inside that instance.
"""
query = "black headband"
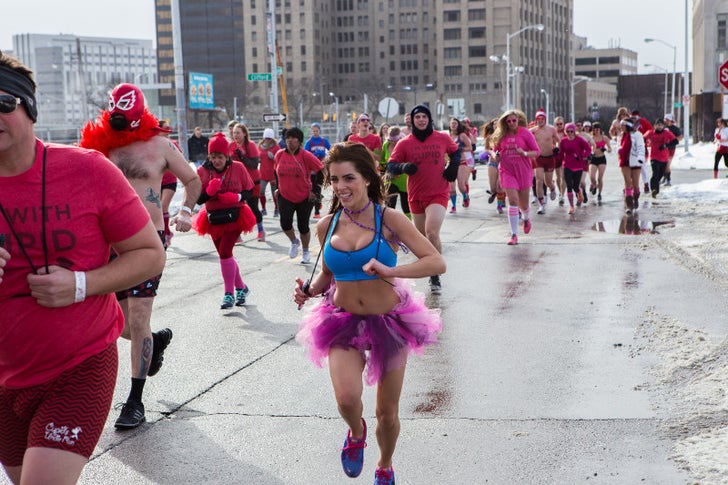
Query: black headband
(21, 86)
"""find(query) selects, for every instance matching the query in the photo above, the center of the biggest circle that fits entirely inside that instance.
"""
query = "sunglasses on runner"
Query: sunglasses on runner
(8, 103)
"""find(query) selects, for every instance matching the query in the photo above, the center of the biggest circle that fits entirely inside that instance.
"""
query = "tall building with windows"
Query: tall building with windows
(75, 74)
(439, 52)
(212, 43)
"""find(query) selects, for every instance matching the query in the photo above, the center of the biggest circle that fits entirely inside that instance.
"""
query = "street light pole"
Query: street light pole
(538, 27)
(674, 69)
(336, 99)
(666, 73)
(686, 95)
(547, 104)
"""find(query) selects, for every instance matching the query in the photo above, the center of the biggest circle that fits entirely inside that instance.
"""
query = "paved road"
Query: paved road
(536, 378)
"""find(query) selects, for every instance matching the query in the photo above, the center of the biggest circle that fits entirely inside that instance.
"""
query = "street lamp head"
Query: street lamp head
(539, 27)
(494, 58)
(544, 91)
(649, 40)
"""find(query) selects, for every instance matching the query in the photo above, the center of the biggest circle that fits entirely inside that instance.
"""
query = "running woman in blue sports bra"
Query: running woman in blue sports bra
(369, 318)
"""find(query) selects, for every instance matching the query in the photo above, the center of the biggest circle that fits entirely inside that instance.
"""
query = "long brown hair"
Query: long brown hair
(359, 156)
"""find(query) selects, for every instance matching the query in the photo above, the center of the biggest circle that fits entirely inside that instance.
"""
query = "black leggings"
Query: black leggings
(286, 208)
(572, 179)
(392, 192)
(253, 204)
(658, 171)
(717, 159)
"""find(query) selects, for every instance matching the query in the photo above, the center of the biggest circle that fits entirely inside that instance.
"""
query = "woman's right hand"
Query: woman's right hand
(213, 187)
(4, 257)
(298, 295)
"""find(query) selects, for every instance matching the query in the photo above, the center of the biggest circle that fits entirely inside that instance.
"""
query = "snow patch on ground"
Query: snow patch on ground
(692, 374)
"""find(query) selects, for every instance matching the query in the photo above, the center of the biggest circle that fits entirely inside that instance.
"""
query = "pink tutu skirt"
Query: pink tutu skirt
(380, 338)
(244, 224)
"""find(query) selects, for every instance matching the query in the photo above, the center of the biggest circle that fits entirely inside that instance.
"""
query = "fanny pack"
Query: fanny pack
(223, 216)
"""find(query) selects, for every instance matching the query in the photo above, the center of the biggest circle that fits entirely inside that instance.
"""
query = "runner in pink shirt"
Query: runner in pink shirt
(516, 147)
(421, 155)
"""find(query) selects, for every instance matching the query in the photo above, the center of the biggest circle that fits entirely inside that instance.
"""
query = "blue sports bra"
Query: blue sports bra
(346, 265)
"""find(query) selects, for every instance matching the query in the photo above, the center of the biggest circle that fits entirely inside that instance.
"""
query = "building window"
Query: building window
(478, 108)
(452, 52)
(609, 60)
(476, 14)
(476, 33)
(476, 51)
(451, 16)
(585, 61)
(453, 70)
(451, 34)
(722, 36)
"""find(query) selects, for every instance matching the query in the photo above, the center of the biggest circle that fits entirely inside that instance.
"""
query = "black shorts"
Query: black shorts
(145, 289)
(598, 160)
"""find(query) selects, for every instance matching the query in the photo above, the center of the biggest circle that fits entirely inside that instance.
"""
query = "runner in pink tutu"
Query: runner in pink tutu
(225, 187)
(368, 320)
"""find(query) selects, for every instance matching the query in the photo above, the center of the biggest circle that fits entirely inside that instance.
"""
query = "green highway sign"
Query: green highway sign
(260, 76)
(677, 105)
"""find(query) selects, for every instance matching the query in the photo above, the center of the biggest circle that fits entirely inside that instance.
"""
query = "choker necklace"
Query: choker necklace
(350, 212)
(394, 240)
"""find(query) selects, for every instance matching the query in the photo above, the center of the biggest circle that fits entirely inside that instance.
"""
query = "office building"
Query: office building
(75, 74)
(359, 51)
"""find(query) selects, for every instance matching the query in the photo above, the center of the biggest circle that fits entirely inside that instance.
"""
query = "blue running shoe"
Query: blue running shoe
(384, 476)
(352, 454)
(240, 295)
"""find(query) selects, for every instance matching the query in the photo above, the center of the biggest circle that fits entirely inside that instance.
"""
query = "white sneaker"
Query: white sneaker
(540, 210)
(306, 257)
(294, 248)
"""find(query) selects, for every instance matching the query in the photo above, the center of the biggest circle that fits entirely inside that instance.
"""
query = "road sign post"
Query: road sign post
(260, 76)
(279, 117)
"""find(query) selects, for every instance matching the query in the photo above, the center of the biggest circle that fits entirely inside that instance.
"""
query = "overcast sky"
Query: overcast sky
(623, 23)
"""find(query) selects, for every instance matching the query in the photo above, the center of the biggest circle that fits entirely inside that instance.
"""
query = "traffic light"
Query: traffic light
(353, 116)
(326, 117)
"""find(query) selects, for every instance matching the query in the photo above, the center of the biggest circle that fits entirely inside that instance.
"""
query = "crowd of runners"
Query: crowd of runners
(368, 320)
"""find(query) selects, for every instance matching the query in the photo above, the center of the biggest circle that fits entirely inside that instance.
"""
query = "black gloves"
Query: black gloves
(399, 168)
(451, 171)
(556, 151)
(663, 146)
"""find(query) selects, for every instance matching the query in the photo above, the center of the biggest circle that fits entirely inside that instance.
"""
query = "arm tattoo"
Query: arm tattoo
(154, 197)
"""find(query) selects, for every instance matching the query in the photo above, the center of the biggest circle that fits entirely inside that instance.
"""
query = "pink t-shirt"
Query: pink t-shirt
(429, 156)
(371, 141)
(655, 140)
(574, 153)
(250, 150)
(88, 204)
(267, 155)
(235, 178)
(294, 173)
(515, 170)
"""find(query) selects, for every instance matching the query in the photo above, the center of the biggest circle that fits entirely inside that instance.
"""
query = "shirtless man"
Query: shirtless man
(547, 139)
(130, 137)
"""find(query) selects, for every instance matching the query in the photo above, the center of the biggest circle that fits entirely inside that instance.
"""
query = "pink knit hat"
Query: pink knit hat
(219, 144)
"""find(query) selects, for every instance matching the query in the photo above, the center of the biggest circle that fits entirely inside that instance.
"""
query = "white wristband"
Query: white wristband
(186, 209)
(80, 286)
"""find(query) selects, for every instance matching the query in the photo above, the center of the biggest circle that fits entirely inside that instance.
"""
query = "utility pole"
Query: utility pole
(271, 28)
(179, 80)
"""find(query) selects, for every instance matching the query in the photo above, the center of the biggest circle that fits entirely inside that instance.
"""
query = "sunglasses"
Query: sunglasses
(570, 131)
(8, 103)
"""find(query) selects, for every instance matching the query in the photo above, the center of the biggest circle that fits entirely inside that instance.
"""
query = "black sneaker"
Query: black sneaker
(435, 287)
(161, 340)
(240, 295)
(132, 415)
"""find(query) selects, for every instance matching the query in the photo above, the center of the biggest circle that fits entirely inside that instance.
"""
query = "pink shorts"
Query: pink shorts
(418, 206)
(67, 413)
